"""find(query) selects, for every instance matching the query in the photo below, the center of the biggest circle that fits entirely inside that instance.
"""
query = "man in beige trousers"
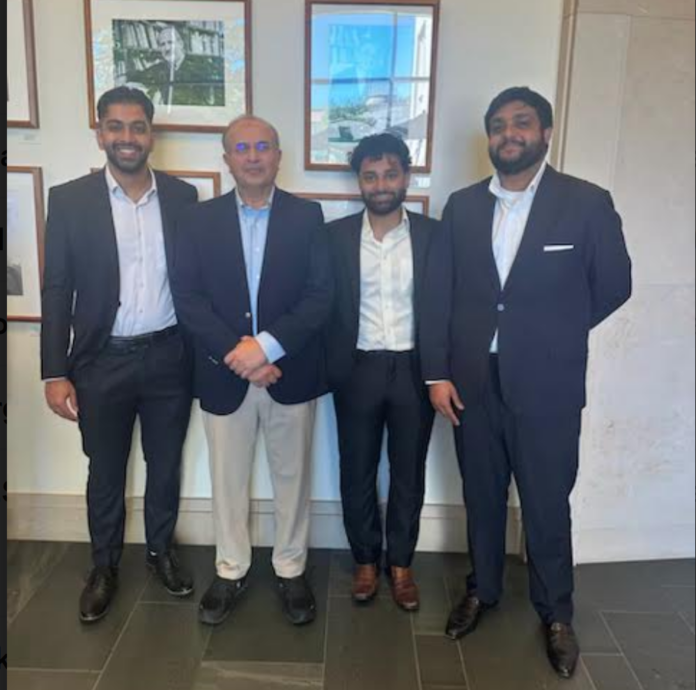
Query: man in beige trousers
(253, 286)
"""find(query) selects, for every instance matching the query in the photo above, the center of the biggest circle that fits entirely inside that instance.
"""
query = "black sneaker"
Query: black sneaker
(98, 594)
(169, 572)
(222, 596)
(299, 605)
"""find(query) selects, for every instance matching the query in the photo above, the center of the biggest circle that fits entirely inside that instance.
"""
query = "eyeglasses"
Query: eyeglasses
(242, 149)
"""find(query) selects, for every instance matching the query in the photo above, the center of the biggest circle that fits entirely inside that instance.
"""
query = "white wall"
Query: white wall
(484, 47)
(631, 129)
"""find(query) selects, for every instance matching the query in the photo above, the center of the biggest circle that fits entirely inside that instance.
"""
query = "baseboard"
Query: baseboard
(41, 517)
(637, 543)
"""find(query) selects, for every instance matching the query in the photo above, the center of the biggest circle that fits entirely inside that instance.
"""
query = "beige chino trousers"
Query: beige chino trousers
(288, 431)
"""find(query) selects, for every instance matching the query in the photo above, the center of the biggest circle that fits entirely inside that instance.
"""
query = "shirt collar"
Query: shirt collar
(403, 227)
(115, 188)
(245, 207)
(496, 187)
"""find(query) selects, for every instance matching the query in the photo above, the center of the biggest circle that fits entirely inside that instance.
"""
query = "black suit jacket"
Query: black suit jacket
(550, 303)
(295, 297)
(345, 237)
(81, 287)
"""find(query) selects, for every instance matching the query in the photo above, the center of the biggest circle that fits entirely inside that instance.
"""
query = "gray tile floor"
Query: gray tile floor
(635, 622)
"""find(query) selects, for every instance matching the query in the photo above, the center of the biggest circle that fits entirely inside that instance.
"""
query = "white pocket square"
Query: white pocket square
(559, 248)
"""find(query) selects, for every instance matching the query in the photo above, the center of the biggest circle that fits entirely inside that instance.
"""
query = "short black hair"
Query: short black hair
(124, 95)
(376, 147)
(524, 94)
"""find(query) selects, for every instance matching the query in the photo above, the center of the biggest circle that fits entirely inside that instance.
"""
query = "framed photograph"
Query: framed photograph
(22, 97)
(336, 206)
(25, 243)
(192, 57)
(208, 184)
(370, 68)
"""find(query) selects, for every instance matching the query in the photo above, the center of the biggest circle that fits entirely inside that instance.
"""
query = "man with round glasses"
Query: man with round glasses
(253, 285)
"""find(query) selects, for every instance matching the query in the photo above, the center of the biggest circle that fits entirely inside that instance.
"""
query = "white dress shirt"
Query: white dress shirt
(512, 212)
(146, 304)
(387, 320)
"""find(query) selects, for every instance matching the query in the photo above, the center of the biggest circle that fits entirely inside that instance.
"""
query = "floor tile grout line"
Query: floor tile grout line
(588, 675)
(663, 614)
(621, 649)
(75, 671)
(121, 634)
(460, 651)
(327, 620)
(41, 586)
(419, 677)
(686, 622)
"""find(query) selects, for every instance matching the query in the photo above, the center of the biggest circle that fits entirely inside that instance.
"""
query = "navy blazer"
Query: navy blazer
(550, 303)
(295, 297)
(81, 283)
(345, 238)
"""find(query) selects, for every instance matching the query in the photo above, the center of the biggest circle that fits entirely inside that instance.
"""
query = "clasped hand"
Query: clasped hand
(249, 362)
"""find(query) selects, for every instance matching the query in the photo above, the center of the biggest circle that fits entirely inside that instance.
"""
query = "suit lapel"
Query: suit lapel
(232, 244)
(546, 209)
(167, 224)
(103, 223)
(354, 260)
(419, 242)
(484, 231)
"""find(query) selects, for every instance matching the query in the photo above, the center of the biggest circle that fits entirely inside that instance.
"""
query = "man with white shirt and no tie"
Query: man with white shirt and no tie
(109, 253)
(527, 264)
(379, 258)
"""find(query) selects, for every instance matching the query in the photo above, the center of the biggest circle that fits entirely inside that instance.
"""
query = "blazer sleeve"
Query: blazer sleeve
(437, 301)
(57, 293)
(311, 313)
(610, 265)
(193, 306)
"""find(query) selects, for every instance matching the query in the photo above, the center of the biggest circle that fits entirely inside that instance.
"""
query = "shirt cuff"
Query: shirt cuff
(271, 347)
(55, 379)
(434, 383)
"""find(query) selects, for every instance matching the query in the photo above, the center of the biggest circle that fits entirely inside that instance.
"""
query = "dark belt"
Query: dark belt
(385, 354)
(118, 344)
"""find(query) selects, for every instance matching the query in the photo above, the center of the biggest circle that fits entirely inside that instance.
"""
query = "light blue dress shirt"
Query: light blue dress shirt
(254, 226)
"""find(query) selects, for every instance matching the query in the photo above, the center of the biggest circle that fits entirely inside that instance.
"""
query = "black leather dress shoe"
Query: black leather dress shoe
(98, 594)
(299, 605)
(169, 572)
(562, 649)
(465, 618)
(222, 596)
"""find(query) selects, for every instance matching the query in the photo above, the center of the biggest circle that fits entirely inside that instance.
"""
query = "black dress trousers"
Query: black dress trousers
(384, 391)
(149, 380)
(542, 453)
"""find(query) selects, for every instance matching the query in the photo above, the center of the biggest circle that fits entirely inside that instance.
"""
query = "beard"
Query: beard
(387, 204)
(529, 156)
(128, 166)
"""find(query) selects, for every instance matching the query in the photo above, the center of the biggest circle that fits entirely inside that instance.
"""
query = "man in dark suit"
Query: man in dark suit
(253, 285)
(379, 259)
(528, 263)
(109, 250)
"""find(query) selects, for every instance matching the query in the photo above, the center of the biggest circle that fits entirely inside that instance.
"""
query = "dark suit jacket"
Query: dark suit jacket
(550, 303)
(81, 288)
(342, 333)
(295, 297)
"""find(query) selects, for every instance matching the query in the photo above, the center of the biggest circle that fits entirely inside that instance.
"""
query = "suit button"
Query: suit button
(247, 315)
(501, 308)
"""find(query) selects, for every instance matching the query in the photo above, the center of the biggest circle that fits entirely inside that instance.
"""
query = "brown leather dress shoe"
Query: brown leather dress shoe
(404, 589)
(365, 583)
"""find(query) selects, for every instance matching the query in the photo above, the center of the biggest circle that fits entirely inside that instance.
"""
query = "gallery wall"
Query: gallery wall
(484, 47)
